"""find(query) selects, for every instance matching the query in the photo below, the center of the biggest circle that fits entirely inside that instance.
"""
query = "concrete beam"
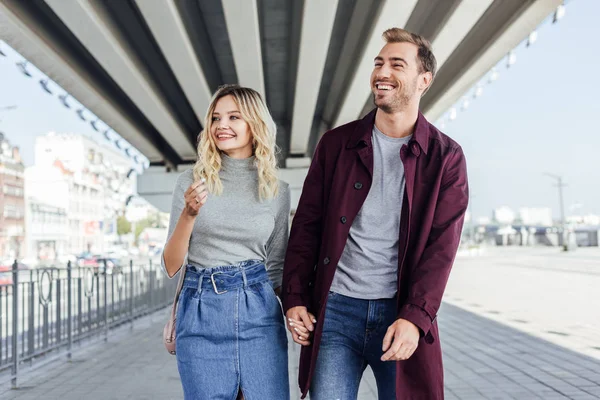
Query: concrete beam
(462, 20)
(393, 14)
(241, 17)
(26, 36)
(93, 27)
(162, 16)
(317, 24)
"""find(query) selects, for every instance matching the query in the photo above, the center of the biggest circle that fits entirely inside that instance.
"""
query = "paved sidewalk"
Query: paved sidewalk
(548, 293)
(483, 360)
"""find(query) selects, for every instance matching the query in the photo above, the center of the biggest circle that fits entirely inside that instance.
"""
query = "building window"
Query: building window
(10, 190)
(13, 212)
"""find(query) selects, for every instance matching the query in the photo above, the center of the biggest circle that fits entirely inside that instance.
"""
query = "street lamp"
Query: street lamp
(560, 185)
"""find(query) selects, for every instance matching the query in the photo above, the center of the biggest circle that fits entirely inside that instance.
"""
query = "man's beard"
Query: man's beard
(399, 101)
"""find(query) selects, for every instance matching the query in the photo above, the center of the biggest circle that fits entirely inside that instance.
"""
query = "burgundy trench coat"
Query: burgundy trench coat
(433, 208)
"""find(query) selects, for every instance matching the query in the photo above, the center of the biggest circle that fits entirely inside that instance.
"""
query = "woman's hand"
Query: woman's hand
(195, 197)
(300, 323)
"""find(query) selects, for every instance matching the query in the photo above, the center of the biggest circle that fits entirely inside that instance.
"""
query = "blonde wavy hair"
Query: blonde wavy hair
(263, 130)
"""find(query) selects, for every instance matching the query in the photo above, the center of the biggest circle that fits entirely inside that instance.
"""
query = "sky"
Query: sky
(539, 116)
(38, 112)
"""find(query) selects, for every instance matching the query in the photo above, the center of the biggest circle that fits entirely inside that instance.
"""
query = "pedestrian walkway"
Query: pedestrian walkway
(483, 360)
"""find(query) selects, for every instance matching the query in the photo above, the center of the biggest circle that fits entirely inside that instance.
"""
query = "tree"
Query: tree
(143, 224)
(123, 226)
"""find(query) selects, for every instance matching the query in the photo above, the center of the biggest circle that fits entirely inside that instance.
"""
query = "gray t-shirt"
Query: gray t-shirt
(236, 225)
(368, 268)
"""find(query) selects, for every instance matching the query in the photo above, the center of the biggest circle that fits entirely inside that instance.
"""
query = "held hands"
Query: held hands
(195, 197)
(405, 336)
(300, 324)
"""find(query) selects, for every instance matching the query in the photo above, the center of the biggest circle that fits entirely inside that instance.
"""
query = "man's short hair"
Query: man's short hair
(427, 62)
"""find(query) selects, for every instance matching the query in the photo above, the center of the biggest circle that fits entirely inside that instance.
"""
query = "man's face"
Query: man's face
(396, 82)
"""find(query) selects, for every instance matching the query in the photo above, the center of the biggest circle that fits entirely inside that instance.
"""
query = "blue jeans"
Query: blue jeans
(353, 332)
(231, 335)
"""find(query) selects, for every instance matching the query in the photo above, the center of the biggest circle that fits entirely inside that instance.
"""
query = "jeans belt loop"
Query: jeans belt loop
(200, 279)
(244, 277)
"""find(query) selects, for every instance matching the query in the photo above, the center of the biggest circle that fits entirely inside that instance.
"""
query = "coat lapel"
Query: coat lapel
(366, 157)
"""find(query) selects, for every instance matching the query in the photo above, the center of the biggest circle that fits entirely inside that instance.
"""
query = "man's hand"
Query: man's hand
(300, 324)
(405, 337)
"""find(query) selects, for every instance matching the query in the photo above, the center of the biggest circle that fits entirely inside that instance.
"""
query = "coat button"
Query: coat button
(326, 260)
(343, 219)
(358, 186)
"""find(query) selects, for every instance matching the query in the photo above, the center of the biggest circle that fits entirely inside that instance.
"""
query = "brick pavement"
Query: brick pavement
(483, 360)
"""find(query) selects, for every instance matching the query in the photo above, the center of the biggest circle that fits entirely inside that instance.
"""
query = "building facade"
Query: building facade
(95, 182)
(12, 201)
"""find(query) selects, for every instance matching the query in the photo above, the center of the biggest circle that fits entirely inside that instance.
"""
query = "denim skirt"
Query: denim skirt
(231, 334)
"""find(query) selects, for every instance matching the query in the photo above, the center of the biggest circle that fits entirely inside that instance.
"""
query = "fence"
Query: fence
(47, 310)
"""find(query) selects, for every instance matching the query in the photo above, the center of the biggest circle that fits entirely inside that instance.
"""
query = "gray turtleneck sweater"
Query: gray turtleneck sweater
(236, 225)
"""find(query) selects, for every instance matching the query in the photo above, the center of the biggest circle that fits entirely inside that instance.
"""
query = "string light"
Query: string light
(22, 65)
(80, 112)
(94, 124)
(49, 87)
(44, 84)
(465, 103)
(559, 13)
(452, 114)
(63, 99)
(493, 74)
(512, 59)
(532, 38)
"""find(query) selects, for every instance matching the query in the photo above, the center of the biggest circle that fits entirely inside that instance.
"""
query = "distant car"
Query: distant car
(113, 266)
(7, 266)
(86, 260)
(65, 258)
(6, 278)
(117, 253)
(155, 251)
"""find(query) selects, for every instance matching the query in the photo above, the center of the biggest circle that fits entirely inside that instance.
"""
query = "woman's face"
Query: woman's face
(231, 133)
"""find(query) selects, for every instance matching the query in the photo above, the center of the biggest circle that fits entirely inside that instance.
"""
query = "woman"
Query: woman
(230, 217)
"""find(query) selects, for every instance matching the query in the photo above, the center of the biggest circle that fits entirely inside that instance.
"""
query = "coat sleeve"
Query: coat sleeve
(305, 236)
(428, 281)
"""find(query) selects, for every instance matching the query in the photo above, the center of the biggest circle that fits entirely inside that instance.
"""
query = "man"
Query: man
(374, 238)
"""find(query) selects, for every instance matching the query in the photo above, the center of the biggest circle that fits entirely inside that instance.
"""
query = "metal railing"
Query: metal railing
(46, 311)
